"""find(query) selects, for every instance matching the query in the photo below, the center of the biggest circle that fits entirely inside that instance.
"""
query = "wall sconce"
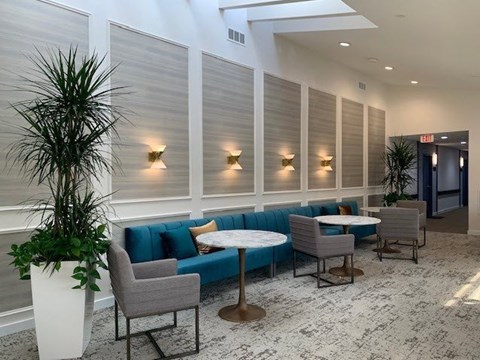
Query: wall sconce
(155, 157)
(326, 163)
(434, 161)
(232, 160)
(462, 162)
(287, 162)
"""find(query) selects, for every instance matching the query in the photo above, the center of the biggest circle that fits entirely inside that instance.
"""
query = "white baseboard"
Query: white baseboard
(22, 319)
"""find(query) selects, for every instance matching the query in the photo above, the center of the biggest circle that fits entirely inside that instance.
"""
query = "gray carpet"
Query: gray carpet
(454, 221)
(398, 310)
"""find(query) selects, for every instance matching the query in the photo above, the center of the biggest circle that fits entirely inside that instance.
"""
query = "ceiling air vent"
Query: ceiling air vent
(362, 85)
(236, 36)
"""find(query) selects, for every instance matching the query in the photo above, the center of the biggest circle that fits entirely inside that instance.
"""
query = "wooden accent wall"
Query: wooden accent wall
(352, 144)
(322, 135)
(156, 73)
(282, 100)
(228, 122)
(376, 146)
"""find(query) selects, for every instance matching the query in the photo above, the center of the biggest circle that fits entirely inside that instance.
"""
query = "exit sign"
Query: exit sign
(428, 138)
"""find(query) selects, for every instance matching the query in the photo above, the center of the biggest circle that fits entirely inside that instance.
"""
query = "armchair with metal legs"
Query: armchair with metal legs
(421, 206)
(308, 239)
(151, 288)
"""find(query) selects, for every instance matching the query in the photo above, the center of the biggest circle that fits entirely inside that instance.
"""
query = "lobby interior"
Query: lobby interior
(283, 83)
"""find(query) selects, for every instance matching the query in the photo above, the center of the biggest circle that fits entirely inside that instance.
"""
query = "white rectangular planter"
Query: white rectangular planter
(63, 316)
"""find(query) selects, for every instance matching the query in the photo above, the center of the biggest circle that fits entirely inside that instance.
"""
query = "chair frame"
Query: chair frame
(148, 334)
(414, 246)
(317, 273)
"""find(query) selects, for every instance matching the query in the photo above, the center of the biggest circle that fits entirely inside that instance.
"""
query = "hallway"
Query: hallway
(455, 221)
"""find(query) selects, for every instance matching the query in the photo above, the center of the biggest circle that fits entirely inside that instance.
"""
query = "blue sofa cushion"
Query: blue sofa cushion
(179, 243)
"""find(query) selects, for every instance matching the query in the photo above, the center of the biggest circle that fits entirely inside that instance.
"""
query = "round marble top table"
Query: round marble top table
(346, 221)
(241, 239)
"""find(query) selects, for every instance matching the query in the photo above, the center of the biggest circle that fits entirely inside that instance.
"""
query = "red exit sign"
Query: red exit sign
(428, 138)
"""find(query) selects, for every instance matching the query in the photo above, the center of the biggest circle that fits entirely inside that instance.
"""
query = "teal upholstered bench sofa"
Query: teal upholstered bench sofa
(145, 243)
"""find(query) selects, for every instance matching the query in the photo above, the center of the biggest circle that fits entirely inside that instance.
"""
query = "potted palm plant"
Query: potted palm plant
(62, 147)
(399, 160)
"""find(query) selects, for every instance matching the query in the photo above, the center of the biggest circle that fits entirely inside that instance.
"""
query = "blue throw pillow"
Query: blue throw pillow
(179, 243)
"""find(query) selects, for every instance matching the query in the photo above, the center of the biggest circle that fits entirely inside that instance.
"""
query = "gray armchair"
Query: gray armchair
(151, 288)
(398, 224)
(308, 239)
(421, 206)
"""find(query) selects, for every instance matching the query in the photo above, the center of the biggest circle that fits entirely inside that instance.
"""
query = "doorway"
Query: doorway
(428, 183)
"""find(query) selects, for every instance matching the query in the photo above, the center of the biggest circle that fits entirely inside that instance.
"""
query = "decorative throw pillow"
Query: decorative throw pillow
(178, 243)
(208, 227)
(345, 210)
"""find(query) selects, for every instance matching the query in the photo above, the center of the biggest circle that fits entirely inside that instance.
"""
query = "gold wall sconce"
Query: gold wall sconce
(287, 162)
(326, 163)
(155, 157)
(232, 160)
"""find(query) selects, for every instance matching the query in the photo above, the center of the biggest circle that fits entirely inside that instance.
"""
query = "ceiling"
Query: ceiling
(432, 41)
(454, 139)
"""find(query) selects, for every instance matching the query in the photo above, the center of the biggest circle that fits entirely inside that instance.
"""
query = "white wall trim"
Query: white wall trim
(66, 7)
(141, 32)
(142, 200)
(224, 208)
(219, 57)
(327, 189)
(216, 196)
(282, 192)
(151, 216)
(17, 230)
(282, 203)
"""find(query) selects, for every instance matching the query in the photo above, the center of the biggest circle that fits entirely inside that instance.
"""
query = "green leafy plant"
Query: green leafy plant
(68, 123)
(399, 159)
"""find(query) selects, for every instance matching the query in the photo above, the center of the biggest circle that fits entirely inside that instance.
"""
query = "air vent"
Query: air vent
(236, 36)
(362, 85)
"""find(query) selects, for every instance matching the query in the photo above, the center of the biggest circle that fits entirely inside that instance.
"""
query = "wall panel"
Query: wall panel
(156, 74)
(282, 101)
(376, 146)
(352, 144)
(322, 201)
(375, 200)
(322, 135)
(14, 293)
(21, 28)
(228, 122)
(281, 205)
(358, 199)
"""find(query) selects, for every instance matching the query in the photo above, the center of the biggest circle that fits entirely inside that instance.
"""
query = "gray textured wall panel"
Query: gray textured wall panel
(14, 293)
(282, 101)
(376, 146)
(322, 201)
(21, 28)
(228, 122)
(352, 144)
(281, 206)
(375, 200)
(156, 73)
(358, 199)
(322, 135)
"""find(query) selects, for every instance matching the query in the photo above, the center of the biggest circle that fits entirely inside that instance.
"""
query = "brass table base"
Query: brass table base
(345, 270)
(246, 313)
(386, 249)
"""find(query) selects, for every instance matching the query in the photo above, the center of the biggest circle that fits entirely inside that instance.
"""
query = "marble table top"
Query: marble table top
(347, 220)
(241, 238)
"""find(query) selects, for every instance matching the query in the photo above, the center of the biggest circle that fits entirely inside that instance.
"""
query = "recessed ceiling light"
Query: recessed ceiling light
(344, 44)
(414, 82)
(388, 68)
(443, 137)
(372, 59)
(463, 142)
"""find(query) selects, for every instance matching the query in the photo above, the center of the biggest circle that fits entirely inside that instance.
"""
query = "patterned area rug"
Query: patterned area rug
(397, 310)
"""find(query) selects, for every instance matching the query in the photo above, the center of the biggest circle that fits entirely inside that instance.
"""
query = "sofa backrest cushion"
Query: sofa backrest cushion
(179, 243)
(274, 220)
(144, 243)
(332, 209)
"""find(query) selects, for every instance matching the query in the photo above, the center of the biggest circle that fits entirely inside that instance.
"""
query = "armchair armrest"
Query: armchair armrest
(155, 269)
(154, 296)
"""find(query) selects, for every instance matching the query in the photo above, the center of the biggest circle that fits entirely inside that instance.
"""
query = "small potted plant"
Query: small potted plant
(62, 147)
(399, 160)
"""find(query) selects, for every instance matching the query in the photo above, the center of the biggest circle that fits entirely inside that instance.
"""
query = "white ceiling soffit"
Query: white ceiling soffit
(239, 4)
(323, 24)
(297, 10)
